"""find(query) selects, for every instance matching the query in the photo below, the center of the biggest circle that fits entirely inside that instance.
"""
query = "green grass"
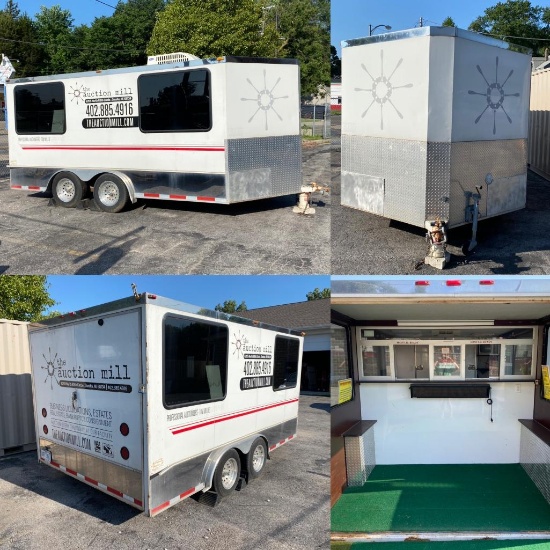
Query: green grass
(465, 497)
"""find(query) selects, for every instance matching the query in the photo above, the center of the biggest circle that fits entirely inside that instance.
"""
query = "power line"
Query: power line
(68, 47)
(108, 5)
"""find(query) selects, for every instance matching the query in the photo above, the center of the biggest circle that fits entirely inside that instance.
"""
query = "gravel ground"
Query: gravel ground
(511, 244)
(286, 508)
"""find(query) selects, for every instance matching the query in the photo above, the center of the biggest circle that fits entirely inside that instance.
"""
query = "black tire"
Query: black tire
(256, 458)
(110, 193)
(68, 189)
(227, 473)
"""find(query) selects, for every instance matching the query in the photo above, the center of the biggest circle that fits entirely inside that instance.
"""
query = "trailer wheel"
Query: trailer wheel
(68, 189)
(227, 473)
(256, 458)
(110, 193)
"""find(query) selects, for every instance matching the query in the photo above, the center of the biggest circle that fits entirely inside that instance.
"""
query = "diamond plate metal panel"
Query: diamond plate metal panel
(535, 459)
(363, 192)
(438, 180)
(401, 163)
(263, 167)
(471, 161)
(360, 458)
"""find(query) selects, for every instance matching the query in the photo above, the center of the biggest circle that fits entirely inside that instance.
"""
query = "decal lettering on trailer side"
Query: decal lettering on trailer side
(256, 361)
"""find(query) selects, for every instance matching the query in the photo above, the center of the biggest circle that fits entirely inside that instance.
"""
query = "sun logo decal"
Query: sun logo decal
(77, 92)
(265, 100)
(494, 96)
(382, 89)
(238, 342)
(50, 368)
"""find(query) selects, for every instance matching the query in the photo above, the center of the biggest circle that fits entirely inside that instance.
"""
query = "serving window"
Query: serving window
(446, 353)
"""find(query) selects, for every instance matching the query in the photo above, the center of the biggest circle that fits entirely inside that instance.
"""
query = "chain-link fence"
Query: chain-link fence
(315, 120)
(4, 171)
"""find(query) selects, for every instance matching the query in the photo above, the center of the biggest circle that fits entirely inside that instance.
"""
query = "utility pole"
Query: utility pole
(421, 22)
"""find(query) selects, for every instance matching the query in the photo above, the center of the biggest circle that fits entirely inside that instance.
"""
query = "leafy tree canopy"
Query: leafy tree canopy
(212, 28)
(318, 294)
(448, 22)
(230, 306)
(516, 21)
(335, 63)
(24, 297)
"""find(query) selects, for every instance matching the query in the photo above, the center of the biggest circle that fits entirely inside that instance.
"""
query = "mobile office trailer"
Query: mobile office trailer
(444, 371)
(151, 400)
(434, 125)
(222, 130)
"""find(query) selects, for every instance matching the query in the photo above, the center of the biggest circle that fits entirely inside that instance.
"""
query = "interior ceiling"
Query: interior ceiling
(448, 311)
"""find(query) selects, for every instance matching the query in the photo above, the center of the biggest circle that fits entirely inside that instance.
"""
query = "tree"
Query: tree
(335, 64)
(230, 306)
(318, 294)
(54, 28)
(516, 21)
(212, 28)
(305, 28)
(448, 22)
(24, 297)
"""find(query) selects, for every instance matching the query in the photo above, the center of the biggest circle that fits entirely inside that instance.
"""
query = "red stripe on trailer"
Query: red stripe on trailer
(17, 187)
(126, 148)
(93, 482)
(207, 199)
(182, 429)
(176, 499)
(151, 195)
(277, 445)
(34, 187)
(178, 197)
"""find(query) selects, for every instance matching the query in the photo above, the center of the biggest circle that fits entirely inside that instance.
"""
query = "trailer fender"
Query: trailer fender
(127, 182)
(242, 446)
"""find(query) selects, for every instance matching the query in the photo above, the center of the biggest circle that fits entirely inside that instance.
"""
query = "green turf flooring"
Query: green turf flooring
(461, 545)
(463, 497)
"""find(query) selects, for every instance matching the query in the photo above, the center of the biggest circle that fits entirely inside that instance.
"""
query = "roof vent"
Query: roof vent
(175, 57)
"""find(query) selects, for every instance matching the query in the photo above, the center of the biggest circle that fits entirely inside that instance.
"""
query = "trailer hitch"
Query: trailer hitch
(472, 216)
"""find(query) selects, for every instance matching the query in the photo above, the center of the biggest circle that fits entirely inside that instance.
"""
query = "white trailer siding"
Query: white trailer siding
(238, 138)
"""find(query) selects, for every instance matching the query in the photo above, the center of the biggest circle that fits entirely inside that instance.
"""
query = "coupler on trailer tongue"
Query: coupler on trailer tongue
(436, 238)
(304, 198)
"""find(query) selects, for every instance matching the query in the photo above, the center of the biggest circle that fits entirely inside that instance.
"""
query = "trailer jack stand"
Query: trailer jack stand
(472, 216)
(436, 237)
(304, 198)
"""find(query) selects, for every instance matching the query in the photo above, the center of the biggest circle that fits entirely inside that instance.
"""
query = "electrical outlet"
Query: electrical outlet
(518, 388)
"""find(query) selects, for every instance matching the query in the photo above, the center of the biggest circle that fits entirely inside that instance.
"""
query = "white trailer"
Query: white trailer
(151, 400)
(222, 130)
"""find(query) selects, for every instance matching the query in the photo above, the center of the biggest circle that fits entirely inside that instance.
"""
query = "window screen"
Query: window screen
(195, 361)
(376, 360)
(285, 371)
(518, 360)
(175, 101)
(40, 108)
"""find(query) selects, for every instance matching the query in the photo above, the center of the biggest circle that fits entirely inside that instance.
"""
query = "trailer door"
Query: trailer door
(88, 406)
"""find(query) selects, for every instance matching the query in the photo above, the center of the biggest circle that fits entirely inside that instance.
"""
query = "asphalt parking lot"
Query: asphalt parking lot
(511, 244)
(286, 508)
(167, 237)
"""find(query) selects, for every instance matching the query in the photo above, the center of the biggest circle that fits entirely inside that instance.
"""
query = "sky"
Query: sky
(351, 18)
(82, 11)
(74, 292)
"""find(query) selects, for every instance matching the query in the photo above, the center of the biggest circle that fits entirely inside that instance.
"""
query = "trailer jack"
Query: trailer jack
(304, 198)
(472, 216)
(436, 237)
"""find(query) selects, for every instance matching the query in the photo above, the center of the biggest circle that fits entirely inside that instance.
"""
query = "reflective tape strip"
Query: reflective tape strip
(273, 447)
(165, 197)
(93, 482)
(176, 499)
(28, 187)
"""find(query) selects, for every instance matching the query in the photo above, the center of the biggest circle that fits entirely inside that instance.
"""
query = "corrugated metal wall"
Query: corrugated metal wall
(539, 123)
(16, 405)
